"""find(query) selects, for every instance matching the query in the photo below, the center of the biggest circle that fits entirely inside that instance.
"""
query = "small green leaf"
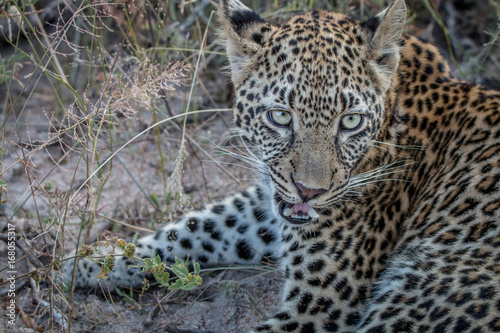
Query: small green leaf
(197, 267)
(2, 183)
(162, 278)
(158, 259)
(189, 286)
(176, 285)
(128, 298)
(155, 200)
(181, 271)
(149, 262)
(179, 261)
(120, 292)
(48, 185)
(134, 240)
(104, 273)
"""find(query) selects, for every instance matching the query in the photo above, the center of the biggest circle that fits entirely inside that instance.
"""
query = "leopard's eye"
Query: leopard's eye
(351, 121)
(280, 117)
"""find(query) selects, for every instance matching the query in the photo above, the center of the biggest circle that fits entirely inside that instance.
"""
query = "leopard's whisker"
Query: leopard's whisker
(373, 176)
(379, 181)
(243, 167)
(399, 146)
(247, 148)
(246, 156)
(381, 171)
(382, 148)
(257, 166)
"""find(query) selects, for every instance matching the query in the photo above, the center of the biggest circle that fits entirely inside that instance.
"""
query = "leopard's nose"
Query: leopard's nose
(307, 193)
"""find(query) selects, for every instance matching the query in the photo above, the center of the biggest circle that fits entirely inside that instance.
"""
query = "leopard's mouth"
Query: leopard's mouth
(297, 213)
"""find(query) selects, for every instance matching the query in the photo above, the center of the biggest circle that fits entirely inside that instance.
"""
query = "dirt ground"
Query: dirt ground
(131, 188)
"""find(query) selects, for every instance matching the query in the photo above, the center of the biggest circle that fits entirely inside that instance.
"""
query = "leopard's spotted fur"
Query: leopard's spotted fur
(408, 237)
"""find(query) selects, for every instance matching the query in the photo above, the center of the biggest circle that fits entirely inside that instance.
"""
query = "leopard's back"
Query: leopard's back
(443, 274)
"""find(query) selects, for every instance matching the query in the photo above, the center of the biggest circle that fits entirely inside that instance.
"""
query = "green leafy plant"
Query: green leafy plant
(184, 279)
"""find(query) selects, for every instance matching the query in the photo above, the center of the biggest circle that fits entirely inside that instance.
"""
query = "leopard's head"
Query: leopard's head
(311, 94)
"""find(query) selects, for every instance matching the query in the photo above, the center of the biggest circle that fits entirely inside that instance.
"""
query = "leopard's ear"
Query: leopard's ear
(384, 33)
(244, 33)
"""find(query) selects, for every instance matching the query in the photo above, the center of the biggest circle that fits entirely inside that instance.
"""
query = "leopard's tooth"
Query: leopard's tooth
(287, 211)
(312, 213)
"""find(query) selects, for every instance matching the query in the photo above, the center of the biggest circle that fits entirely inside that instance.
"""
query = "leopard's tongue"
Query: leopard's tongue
(300, 211)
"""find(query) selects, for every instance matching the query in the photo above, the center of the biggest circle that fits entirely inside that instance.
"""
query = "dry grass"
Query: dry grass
(109, 113)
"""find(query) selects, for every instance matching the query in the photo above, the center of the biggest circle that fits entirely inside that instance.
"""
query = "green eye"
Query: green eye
(351, 121)
(280, 117)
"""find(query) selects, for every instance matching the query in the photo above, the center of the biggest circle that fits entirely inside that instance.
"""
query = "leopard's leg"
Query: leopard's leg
(329, 267)
(240, 229)
(332, 305)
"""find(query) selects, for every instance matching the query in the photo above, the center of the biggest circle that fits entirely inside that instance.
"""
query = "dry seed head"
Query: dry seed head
(129, 250)
(120, 242)
(174, 184)
(36, 276)
(86, 250)
(56, 265)
(110, 262)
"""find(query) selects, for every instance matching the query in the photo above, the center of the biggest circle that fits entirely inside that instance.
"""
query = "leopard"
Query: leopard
(380, 191)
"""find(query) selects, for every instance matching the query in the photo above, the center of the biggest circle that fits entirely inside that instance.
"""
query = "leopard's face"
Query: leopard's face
(312, 101)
